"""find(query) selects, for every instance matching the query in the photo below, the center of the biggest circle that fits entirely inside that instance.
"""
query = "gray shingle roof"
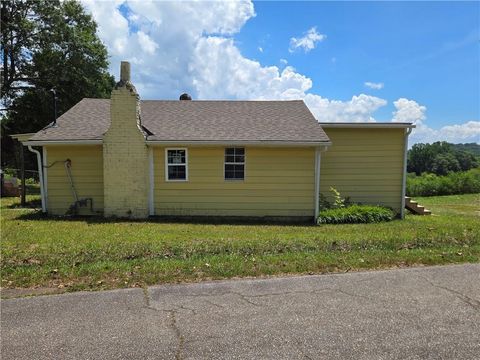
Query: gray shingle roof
(284, 121)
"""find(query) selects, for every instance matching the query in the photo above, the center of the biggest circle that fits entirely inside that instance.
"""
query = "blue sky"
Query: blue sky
(428, 51)
(421, 59)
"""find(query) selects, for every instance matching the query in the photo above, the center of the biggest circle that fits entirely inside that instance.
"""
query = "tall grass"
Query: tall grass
(467, 182)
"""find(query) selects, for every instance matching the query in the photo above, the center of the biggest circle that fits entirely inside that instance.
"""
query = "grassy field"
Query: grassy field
(78, 254)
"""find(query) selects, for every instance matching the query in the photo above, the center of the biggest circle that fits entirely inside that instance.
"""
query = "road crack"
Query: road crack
(214, 304)
(178, 334)
(475, 304)
(172, 313)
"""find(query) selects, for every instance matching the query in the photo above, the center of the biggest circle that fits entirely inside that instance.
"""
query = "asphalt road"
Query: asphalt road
(422, 313)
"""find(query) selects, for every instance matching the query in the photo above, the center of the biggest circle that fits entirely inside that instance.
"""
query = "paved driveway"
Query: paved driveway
(422, 313)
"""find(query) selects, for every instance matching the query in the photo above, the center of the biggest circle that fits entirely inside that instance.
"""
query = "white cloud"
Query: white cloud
(159, 38)
(359, 109)
(113, 26)
(459, 133)
(411, 111)
(260, 49)
(146, 43)
(374, 86)
(247, 79)
(467, 132)
(408, 111)
(169, 58)
(306, 42)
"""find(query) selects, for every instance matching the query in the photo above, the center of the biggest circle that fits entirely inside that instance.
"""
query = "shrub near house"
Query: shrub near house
(342, 211)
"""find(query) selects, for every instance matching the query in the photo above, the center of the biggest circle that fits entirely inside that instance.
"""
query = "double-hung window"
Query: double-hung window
(235, 163)
(177, 164)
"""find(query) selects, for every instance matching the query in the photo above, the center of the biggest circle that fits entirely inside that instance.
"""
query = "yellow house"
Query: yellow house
(125, 157)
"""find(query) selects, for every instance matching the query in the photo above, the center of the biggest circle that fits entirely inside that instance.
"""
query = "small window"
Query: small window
(176, 160)
(234, 163)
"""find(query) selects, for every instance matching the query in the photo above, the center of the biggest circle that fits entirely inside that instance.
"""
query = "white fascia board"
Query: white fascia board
(62, 142)
(23, 138)
(391, 125)
(237, 143)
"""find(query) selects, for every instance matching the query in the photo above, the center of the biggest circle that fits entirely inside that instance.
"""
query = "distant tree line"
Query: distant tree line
(441, 158)
(473, 148)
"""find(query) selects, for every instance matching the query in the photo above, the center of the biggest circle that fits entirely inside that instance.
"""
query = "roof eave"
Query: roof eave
(238, 142)
(64, 142)
(22, 137)
(185, 143)
(372, 125)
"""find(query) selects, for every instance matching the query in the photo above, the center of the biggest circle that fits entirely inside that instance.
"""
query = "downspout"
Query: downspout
(40, 175)
(404, 175)
(318, 152)
(45, 176)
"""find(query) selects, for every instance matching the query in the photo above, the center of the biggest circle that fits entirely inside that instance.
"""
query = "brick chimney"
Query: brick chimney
(125, 154)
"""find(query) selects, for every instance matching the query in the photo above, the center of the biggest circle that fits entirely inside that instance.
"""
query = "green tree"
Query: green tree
(444, 164)
(439, 158)
(466, 160)
(47, 44)
(472, 148)
(420, 158)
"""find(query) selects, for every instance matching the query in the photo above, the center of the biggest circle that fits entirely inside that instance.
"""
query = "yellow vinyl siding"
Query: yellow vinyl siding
(278, 182)
(364, 164)
(87, 174)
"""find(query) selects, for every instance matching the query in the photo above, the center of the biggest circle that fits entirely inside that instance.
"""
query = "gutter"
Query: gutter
(236, 142)
(372, 125)
(184, 142)
(404, 175)
(40, 175)
(63, 142)
(151, 190)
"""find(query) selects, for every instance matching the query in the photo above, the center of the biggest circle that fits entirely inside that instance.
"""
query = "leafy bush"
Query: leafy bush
(338, 200)
(31, 181)
(355, 214)
(467, 182)
(9, 173)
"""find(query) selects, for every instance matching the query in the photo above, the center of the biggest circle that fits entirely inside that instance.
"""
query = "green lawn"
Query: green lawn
(75, 254)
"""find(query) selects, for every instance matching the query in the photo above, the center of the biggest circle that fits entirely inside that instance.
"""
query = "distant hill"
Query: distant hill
(471, 147)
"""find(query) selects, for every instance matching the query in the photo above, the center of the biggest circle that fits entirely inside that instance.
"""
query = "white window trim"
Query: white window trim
(166, 165)
(236, 163)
